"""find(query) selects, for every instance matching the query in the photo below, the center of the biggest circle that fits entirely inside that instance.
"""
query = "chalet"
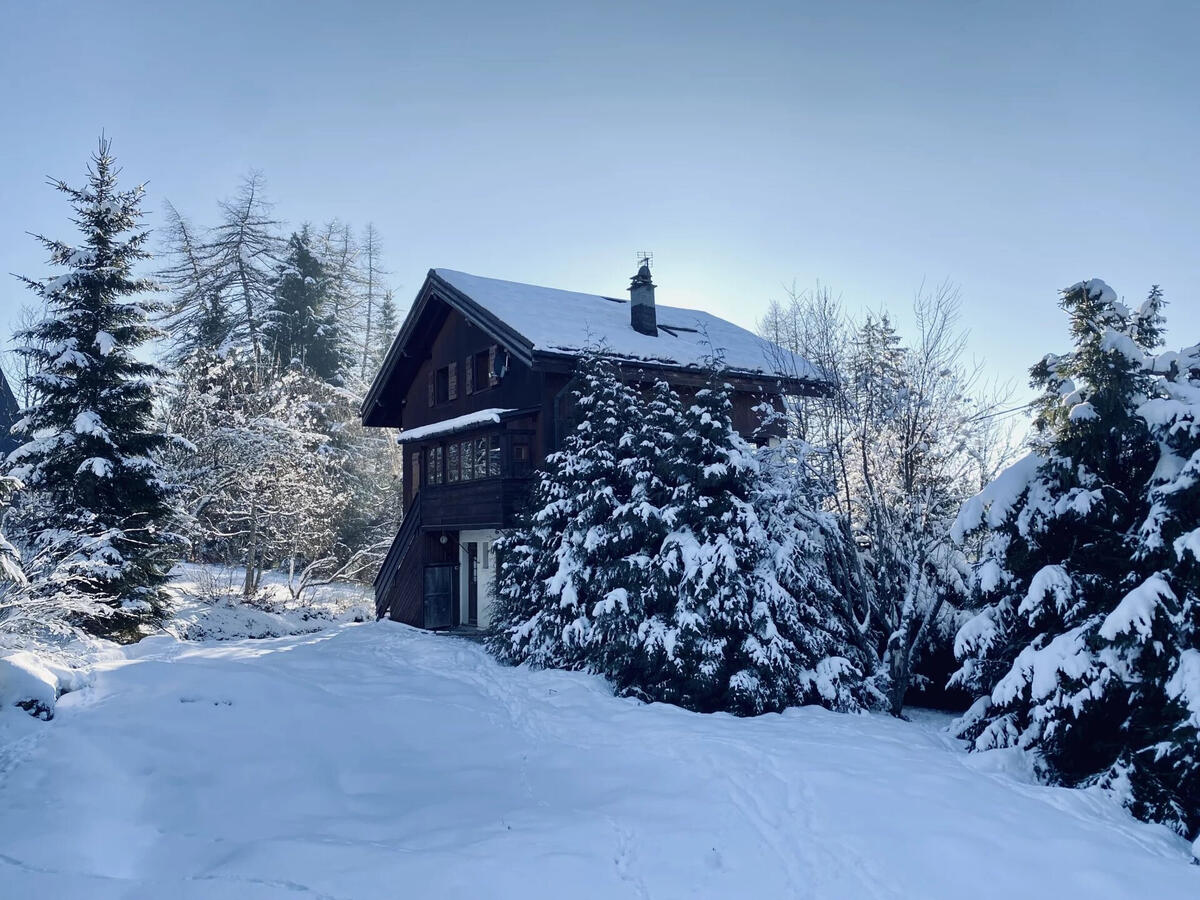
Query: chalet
(10, 411)
(477, 382)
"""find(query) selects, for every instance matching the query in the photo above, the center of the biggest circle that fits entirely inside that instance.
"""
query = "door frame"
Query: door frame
(454, 598)
(471, 551)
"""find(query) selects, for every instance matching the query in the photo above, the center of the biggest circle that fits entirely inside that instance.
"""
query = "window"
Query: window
(442, 382)
(434, 467)
(480, 371)
(452, 463)
(481, 458)
(494, 455)
(468, 461)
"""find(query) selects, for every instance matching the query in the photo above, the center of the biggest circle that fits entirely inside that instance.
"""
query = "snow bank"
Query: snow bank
(34, 682)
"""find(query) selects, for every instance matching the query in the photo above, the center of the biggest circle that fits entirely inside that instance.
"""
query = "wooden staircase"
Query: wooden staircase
(399, 575)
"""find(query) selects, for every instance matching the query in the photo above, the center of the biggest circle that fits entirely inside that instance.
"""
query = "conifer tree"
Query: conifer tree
(548, 582)
(240, 256)
(636, 596)
(299, 329)
(657, 552)
(726, 650)
(197, 320)
(96, 505)
(1085, 648)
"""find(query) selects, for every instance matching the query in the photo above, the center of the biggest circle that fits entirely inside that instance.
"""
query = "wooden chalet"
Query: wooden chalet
(476, 381)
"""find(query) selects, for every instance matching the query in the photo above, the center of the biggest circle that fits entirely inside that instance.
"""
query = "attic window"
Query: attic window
(480, 371)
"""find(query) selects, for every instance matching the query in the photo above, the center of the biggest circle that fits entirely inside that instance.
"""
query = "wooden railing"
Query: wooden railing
(410, 528)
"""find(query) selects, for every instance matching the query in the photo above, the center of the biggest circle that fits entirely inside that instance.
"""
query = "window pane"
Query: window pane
(468, 462)
(452, 464)
(443, 384)
(494, 455)
(481, 455)
(520, 456)
(482, 374)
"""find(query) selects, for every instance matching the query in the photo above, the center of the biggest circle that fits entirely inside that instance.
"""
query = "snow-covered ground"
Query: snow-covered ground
(208, 606)
(378, 761)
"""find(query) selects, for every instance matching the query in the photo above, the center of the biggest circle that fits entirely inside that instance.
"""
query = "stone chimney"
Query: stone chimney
(641, 302)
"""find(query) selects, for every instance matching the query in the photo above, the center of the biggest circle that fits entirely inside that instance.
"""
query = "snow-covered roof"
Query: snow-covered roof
(458, 423)
(557, 321)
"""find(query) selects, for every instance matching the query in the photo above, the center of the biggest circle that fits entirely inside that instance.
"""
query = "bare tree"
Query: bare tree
(240, 256)
(908, 432)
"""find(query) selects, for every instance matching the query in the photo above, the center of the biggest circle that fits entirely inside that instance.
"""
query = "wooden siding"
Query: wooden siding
(456, 343)
(488, 503)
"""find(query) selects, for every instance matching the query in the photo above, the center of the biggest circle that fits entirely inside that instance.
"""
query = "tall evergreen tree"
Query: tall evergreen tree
(96, 506)
(548, 582)
(1085, 650)
(300, 329)
(656, 552)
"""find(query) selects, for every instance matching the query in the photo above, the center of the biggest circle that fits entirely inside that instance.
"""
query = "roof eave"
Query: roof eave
(564, 362)
(436, 286)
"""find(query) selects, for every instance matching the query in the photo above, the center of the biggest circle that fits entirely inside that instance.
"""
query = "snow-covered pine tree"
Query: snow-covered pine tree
(96, 507)
(1151, 642)
(1080, 651)
(636, 601)
(546, 582)
(724, 648)
(299, 329)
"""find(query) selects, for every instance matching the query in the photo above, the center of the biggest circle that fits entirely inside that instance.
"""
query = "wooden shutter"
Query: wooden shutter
(492, 379)
(432, 387)
(452, 391)
(469, 374)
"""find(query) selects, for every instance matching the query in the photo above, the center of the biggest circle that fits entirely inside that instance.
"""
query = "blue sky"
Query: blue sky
(1012, 148)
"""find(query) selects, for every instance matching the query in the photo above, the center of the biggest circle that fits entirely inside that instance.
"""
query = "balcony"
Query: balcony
(483, 503)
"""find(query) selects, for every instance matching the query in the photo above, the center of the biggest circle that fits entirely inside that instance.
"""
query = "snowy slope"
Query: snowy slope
(377, 761)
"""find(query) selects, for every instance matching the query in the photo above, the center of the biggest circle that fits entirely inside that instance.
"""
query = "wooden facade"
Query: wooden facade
(483, 409)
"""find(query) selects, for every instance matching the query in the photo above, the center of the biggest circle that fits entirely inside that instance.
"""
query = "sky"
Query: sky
(1012, 149)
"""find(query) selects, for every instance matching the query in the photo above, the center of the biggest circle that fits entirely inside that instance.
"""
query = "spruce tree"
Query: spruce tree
(299, 328)
(548, 584)
(808, 551)
(726, 650)
(635, 604)
(96, 510)
(1085, 649)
